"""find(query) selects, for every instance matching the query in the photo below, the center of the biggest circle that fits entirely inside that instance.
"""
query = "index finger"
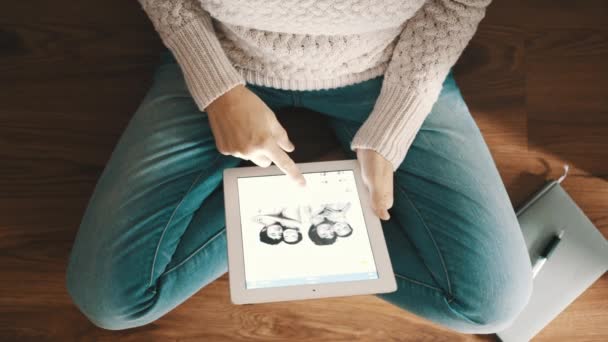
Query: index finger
(282, 160)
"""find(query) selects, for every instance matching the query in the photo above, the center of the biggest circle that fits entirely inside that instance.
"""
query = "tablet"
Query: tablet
(287, 242)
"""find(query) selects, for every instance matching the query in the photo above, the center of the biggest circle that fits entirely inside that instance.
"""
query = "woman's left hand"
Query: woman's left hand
(377, 174)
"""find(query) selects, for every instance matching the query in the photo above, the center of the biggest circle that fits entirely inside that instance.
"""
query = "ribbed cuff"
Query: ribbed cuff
(394, 122)
(208, 72)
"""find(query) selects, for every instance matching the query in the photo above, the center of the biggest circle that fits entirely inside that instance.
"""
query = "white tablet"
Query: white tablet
(287, 242)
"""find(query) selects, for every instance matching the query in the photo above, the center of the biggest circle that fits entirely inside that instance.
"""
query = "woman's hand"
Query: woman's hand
(244, 127)
(377, 174)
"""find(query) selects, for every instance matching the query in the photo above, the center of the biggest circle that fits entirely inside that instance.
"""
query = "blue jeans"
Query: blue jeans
(153, 233)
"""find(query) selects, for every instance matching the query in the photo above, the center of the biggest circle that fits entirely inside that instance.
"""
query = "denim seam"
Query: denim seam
(349, 132)
(447, 278)
(418, 282)
(160, 240)
(295, 100)
(195, 252)
(451, 298)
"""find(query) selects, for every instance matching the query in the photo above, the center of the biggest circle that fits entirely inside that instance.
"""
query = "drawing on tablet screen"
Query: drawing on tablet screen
(293, 235)
(324, 224)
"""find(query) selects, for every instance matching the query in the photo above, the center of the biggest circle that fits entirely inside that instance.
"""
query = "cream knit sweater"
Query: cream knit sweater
(317, 44)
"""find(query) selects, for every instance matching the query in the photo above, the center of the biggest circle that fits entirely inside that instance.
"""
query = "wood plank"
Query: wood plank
(73, 72)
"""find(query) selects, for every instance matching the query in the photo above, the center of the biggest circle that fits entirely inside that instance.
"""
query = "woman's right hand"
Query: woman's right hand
(244, 127)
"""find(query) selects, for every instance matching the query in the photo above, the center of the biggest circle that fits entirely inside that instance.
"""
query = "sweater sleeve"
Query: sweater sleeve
(187, 30)
(429, 45)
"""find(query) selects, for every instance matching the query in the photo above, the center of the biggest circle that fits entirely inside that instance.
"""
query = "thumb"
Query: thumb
(380, 187)
(382, 200)
(284, 142)
(379, 181)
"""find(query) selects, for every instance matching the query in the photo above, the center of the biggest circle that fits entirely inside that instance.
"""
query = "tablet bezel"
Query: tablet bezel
(240, 294)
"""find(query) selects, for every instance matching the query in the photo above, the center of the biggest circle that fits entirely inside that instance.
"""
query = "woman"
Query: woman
(274, 233)
(281, 224)
(153, 232)
(342, 229)
(322, 234)
(326, 232)
(287, 216)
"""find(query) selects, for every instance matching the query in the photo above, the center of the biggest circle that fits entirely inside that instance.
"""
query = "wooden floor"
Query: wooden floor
(72, 73)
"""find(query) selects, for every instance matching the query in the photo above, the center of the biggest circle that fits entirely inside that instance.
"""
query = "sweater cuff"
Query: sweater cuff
(208, 72)
(394, 122)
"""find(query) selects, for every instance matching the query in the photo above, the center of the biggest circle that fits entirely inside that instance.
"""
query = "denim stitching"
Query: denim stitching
(417, 252)
(195, 252)
(171, 218)
(418, 282)
(451, 298)
(295, 101)
(447, 278)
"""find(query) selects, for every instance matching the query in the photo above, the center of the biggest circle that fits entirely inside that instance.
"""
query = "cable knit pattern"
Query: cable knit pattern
(187, 30)
(320, 44)
(429, 45)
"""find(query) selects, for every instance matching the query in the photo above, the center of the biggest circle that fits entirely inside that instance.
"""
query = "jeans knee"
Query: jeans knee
(497, 307)
(103, 302)
(82, 297)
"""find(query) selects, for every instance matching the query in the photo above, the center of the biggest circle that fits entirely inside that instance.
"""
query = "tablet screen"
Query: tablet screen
(297, 236)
